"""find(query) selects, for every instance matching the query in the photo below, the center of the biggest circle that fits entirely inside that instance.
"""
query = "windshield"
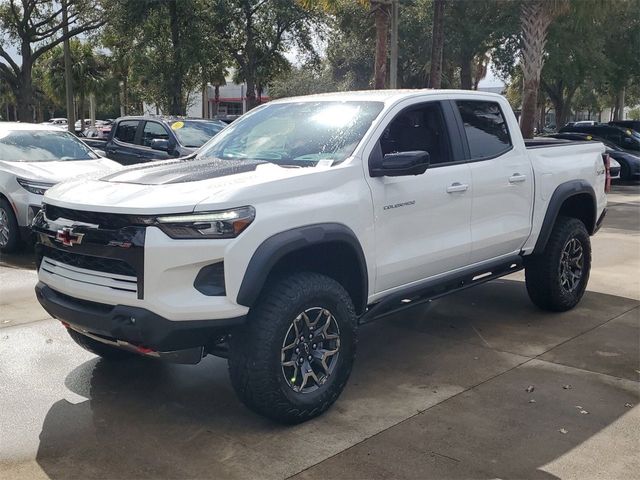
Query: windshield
(195, 134)
(297, 134)
(42, 146)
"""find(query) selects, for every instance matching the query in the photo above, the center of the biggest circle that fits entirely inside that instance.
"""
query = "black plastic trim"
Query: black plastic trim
(600, 221)
(563, 192)
(431, 289)
(132, 324)
(278, 246)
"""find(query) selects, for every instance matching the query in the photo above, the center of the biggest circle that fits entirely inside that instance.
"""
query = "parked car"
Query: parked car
(144, 139)
(100, 131)
(33, 158)
(622, 137)
(60, 123)
(629, 164)
(585, 123)
(307, 217)
(632, 124)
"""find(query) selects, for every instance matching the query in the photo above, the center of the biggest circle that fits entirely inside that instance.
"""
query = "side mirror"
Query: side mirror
(401, 164)
(160, 144)
(102, 153)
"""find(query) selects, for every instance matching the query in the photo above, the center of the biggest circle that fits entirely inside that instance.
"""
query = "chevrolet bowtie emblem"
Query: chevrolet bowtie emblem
(68, 238)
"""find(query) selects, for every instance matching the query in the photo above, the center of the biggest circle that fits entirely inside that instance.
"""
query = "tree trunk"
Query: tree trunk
(619, 111)
(382, 12)
(535, 19)
(216, 97)
(437, 44)
(81, 111)
(466, 81)
(24, 93)
(176, 101)
(68, 79)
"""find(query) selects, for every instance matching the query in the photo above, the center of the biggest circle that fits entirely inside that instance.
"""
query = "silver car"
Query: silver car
(32, 159)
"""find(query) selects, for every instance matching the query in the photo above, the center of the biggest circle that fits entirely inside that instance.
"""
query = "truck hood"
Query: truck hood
(59, 171)
(174, 186)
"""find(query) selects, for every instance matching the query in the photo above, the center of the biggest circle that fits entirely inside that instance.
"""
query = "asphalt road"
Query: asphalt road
(437, 392)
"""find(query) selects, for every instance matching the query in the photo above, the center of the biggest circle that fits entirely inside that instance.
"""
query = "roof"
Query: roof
(165, 118)
(11, 126)
(381, 95)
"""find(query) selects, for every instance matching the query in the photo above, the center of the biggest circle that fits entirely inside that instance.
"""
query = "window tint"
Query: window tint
(153, 130)
(127, 131)
(485, 127)
(421, 128)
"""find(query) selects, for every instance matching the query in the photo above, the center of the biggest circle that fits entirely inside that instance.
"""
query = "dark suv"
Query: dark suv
(148, 138)
(623, 137)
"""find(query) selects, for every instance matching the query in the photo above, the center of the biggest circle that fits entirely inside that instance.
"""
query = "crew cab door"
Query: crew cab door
(122, 147)
(422, 222)
(155, 131)
(502, 179)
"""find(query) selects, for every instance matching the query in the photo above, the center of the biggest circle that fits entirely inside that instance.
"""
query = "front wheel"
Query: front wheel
(9, 234)
(557, 278)
(292, 359)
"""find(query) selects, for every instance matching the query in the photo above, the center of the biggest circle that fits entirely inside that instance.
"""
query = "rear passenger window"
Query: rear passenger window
(126, 131)
(485, 127)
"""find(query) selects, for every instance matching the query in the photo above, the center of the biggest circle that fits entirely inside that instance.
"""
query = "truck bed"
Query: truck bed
(542, 142)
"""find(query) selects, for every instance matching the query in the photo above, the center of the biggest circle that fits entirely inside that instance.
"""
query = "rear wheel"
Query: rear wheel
(101, 349)
(292, 359)
(557, 278)
(9, 233)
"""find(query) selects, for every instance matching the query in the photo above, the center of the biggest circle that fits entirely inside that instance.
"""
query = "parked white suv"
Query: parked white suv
(33, 158)
(306, 217)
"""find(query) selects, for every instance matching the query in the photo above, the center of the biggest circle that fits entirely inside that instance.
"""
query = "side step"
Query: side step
(433, 289)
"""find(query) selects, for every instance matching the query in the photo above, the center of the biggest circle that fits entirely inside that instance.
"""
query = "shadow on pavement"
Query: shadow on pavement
(24, 259)
(145, 419)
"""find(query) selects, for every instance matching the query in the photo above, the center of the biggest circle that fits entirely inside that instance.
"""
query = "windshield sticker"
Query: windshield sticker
(324, 162)
(177, 125)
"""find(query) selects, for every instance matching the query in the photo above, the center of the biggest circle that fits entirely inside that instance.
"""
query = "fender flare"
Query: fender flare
(275, 248)
(563, 192)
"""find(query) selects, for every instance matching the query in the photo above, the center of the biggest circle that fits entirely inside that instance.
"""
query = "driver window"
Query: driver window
(420, 128)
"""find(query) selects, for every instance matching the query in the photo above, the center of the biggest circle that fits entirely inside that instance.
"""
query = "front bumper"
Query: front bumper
(135, 328)
(117, 263)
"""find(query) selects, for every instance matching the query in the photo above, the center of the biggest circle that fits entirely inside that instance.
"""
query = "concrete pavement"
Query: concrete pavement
(437, 392)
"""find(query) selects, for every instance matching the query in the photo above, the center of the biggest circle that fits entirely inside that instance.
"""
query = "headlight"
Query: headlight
(222, 224)
(34, 187)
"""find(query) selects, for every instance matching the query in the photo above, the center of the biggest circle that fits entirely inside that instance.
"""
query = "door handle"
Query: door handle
(457, 187)
(517, 178)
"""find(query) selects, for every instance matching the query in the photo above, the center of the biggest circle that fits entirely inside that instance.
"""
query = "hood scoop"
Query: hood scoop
(181, 171)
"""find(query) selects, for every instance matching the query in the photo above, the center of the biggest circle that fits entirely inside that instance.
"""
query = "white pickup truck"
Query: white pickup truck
(307, 217)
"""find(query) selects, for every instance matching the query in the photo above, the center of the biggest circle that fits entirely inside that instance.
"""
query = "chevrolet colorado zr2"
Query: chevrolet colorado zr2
(307, 217)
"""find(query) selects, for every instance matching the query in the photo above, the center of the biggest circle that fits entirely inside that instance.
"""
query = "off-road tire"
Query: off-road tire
(543, 271)
(255, 350)
(102, 350)
(13, 242)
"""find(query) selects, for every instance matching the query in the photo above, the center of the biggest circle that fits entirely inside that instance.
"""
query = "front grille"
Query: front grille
(88, 262)
(109, 221)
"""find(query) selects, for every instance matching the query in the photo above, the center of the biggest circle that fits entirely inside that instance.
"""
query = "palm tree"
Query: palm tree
(535, 18)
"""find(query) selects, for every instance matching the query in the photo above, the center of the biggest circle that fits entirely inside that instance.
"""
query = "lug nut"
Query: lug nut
(314, 346)
(297, 350)
(309, 357)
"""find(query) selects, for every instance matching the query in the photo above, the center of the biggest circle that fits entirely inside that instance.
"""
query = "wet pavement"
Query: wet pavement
(437, 392)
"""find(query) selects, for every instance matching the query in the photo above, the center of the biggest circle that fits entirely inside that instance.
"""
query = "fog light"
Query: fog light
(210, 280)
